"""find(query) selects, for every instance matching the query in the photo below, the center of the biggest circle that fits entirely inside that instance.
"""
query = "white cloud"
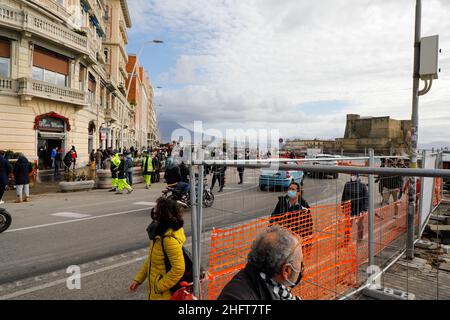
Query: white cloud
(253, 62)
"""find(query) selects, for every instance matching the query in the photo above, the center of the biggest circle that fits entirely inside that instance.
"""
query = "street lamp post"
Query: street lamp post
(132, 75)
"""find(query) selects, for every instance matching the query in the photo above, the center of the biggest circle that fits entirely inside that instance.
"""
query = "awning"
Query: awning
(95, 22)
(84, 6)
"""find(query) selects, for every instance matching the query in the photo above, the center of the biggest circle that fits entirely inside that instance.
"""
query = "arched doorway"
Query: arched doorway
(91, 132)
(51, 131)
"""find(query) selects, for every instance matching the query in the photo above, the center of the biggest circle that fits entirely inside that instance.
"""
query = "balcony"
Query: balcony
(55, 8)
(30, 88)
(8, 86)
(111, 115)
(40, 26)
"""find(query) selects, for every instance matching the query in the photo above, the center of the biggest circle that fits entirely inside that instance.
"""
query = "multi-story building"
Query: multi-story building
(141, 98)
(62, 75)
(114, 47)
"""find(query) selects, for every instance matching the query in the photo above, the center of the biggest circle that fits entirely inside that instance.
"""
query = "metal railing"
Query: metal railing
(34, 88)
(380, 235)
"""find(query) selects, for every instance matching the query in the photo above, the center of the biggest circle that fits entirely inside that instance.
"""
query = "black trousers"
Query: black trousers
(220, 177)
(2, 190)
(241, 177)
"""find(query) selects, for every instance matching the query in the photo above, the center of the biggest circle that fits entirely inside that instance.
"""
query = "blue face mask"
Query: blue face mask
(292, 194)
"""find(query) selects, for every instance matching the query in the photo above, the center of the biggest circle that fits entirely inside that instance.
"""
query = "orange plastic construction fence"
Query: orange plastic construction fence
(329, 254)
(390, 223)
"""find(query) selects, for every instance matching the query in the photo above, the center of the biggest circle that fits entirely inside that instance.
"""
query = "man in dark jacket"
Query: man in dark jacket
(357, 193)
(172, 175)
(274, 267)
(292, 212)
(389, 185)
(21, 171)
(184, 171)
(5, 171)
(156, 167)
(218, 174)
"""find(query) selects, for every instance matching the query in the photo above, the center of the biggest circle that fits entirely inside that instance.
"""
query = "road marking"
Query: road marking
(232, 188)
(143, 203)
(72, 215)
(61, 281)
(16, 294)
(77, 220)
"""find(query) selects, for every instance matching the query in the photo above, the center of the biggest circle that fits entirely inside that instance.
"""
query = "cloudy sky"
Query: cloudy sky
(296, 65)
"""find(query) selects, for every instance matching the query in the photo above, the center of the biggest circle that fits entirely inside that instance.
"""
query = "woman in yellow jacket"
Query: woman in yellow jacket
(167, 229)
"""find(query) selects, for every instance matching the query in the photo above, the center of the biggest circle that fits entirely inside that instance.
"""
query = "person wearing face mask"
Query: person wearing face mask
(274, 267)
(300, 223)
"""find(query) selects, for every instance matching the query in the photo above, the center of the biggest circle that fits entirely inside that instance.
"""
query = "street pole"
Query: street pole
(200, 210)
(194, 231)
(414, 132)
(371, 211)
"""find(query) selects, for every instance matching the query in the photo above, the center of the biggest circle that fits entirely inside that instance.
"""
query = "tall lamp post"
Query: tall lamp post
(132, 75)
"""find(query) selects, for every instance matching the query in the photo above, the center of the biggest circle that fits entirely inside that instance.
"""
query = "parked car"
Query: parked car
(321, 159)
(274, 179)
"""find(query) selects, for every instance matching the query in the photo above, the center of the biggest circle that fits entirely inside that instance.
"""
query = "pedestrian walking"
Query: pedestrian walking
(58, 160)
(129, 168)
(156, 167)
(92, 159)
(21, 171)
(122, 178)
(274, 267)
(115, 162)
(218, 175)
(147, 169)
(98, 159)
(165, 264)
(67, 161)
(240, 170)
(5, 171)
(53, 156)
(357, 193)
(74, 157)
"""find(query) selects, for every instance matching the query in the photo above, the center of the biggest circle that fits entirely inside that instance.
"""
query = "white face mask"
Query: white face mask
(354, 178)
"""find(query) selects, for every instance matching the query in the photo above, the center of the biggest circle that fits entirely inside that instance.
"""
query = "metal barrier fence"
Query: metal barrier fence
(340, 245)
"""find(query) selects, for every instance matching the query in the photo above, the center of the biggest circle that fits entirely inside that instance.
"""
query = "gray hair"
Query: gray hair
(271, 249)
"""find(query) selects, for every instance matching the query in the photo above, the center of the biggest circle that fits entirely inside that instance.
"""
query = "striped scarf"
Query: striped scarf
(280, 291)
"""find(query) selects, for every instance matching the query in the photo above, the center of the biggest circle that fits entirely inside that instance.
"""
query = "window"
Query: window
(106, 55)
(82, 77)
(38, 73)
(50, 67)
(49, 76)
(4, 67)
(92, 85)
(5, 58)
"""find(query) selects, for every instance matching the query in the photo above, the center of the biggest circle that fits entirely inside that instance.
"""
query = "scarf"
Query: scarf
(280, 291)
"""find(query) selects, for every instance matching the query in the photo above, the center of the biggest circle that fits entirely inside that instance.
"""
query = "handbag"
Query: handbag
(188, 276)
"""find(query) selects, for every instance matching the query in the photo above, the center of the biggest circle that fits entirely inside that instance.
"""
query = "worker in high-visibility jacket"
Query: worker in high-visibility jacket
(115, 162)
(147, 169)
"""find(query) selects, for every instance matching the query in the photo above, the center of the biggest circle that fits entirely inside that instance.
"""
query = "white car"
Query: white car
(321, 159)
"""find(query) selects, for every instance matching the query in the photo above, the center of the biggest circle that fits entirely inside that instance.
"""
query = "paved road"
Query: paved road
(99, 229)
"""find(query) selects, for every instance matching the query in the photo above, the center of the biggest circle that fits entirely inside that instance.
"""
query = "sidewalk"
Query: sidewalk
(45, 183)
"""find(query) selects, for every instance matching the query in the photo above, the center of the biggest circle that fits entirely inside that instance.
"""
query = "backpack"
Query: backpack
(188, 275)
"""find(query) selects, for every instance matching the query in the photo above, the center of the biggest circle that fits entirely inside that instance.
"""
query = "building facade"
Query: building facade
(62, 76)
(141, 98)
